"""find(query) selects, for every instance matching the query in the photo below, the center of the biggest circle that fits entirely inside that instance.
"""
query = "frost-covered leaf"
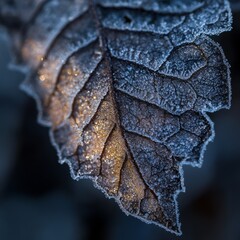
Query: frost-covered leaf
(125, 86)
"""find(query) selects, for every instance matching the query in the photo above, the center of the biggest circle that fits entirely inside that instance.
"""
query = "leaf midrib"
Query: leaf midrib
(106, 55)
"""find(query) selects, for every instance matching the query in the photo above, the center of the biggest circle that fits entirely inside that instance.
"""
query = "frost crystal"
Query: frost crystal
(125, 86)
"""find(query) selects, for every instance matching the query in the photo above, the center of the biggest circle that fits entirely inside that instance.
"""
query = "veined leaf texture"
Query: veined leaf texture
(125, 86)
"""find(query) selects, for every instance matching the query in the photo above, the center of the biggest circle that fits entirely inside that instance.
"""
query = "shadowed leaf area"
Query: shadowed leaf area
(125, 86)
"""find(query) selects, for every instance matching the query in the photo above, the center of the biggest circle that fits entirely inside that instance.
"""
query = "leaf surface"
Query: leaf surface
(125, 87)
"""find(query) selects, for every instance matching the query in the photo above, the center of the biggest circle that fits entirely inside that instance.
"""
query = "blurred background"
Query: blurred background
(40, 201)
